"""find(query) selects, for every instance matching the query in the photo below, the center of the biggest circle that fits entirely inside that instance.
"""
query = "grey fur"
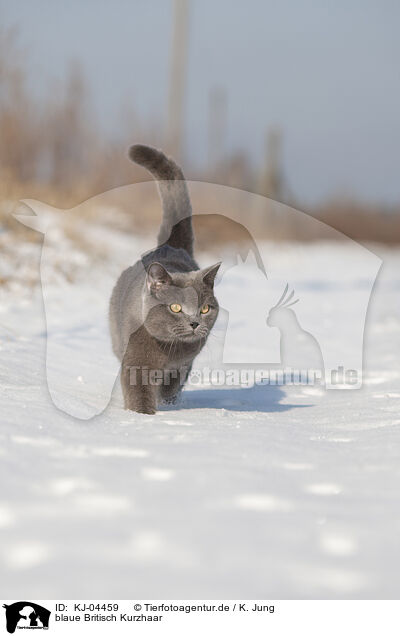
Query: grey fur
(147, 336)
(176, 227)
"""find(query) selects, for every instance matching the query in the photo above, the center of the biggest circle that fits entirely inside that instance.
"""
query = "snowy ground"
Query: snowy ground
(262, 492)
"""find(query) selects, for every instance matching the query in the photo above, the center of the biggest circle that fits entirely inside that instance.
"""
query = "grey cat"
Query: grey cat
(162, 308)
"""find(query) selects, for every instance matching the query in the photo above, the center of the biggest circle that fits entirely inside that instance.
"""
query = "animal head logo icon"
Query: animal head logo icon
(26, 615)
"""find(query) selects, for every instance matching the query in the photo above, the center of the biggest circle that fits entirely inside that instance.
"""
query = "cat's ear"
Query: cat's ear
(210, 273)
(157, 277)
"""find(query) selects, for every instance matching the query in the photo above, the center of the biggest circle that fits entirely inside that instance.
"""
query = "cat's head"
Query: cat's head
(180, 306)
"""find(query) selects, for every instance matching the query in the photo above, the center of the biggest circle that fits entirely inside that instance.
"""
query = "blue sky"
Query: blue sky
(327, 73)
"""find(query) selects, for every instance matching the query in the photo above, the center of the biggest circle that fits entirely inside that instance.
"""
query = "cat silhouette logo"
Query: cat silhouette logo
(26, 615)
(257, 323)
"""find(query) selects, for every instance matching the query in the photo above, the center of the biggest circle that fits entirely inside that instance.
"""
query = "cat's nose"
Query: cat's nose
(194, 324)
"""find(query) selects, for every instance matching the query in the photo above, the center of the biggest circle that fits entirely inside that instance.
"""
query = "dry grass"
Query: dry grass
(50, 150)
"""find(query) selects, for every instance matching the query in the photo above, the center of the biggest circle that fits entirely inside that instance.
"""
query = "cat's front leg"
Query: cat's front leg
(140, 400)
(174, 379)
(170, 390)
(139, 395)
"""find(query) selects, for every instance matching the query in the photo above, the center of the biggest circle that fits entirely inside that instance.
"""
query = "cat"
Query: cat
(163, 308)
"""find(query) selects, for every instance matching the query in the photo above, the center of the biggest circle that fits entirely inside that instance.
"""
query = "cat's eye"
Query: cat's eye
(205, 309)
(176, 308)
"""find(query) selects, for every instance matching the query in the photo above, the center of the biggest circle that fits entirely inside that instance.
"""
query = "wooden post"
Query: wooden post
(217, 124)
(175, 126)
(272, 178)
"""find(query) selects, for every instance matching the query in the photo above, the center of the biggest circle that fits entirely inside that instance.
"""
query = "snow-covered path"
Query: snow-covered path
(261, 492)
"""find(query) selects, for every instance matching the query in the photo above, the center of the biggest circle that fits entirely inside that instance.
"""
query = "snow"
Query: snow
(237, 492)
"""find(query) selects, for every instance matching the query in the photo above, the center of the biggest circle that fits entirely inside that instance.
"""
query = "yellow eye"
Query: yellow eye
(176, 308)
(205, 309)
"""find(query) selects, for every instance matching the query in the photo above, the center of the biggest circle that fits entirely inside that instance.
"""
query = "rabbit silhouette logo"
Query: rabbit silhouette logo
(26, 615)
(299, 349)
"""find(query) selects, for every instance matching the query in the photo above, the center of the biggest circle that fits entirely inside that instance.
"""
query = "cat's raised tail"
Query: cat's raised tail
(176, 227)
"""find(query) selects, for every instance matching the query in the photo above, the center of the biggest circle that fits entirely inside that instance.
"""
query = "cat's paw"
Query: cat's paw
(146, 410)
(172, 400)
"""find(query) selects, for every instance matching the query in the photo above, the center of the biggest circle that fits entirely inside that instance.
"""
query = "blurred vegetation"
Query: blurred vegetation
(51, 149)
